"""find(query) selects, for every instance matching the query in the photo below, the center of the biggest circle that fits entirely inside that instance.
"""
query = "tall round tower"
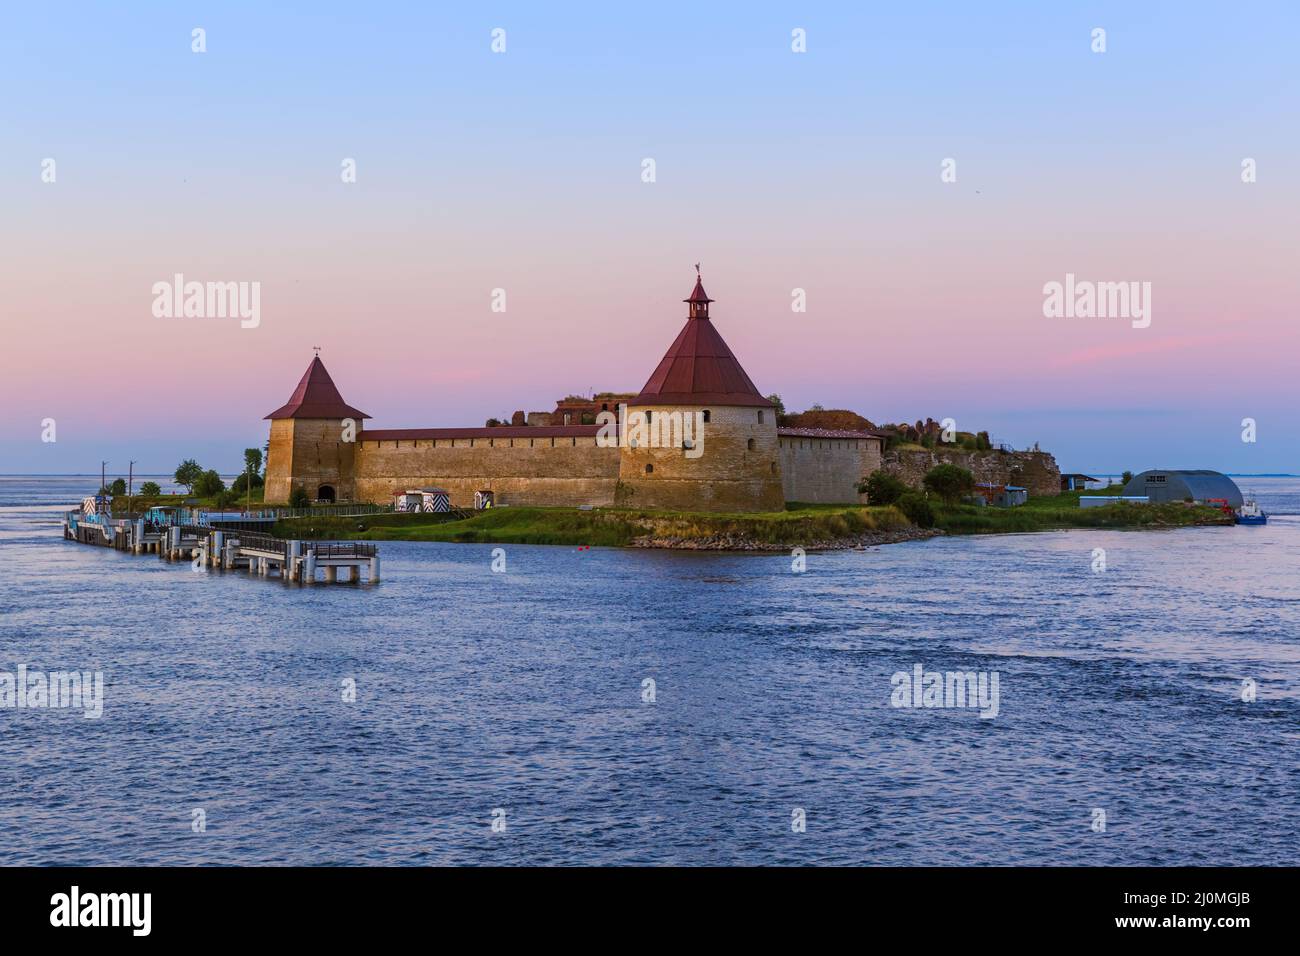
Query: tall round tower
(700, 436)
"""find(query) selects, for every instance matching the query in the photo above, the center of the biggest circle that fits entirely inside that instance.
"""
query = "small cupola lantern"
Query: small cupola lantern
(699, 299)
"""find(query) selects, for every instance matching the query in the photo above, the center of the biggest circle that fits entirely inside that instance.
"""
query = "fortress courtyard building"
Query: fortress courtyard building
(699, 436)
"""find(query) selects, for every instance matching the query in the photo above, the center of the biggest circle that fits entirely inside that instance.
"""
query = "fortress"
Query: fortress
(734, 458)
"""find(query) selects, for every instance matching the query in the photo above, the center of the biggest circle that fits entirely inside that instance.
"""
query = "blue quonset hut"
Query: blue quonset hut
(1162, 484)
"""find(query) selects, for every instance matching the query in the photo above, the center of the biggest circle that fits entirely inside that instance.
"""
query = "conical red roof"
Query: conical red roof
(316, 397)
(698, 294)
(699, 369)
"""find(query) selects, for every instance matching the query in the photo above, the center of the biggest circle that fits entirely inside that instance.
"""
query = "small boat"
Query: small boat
(1251, 513)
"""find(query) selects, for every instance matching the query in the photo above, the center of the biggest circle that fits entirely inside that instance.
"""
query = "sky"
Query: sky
(777, 170)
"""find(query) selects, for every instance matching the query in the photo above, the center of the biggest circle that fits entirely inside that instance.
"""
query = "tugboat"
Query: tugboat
(1251, 513)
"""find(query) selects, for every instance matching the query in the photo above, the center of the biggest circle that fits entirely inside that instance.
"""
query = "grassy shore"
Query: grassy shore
(1063, 511)
(612, 527)
(808, 526)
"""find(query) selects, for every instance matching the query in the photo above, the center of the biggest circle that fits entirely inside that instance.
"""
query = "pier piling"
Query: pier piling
(224, 548)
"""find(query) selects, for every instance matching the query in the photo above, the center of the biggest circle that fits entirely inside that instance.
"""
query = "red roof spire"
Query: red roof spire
(699, 297)
(699, 368)
(316, 397)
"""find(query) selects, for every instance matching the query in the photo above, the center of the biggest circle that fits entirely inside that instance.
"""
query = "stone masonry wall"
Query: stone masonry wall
(1035, 470)
(521, 471)
(827, 470)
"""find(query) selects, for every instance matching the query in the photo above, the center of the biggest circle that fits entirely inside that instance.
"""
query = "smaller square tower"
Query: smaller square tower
(308, 449)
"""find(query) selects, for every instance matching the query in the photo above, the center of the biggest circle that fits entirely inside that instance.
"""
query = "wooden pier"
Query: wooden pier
(229, 550)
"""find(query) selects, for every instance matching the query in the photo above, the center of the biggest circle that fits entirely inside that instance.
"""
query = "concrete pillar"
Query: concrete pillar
(228, 556)
(139, 536)
(309, 568)
(331, 574)
(218, 539)
(291, 568)
(374, 570)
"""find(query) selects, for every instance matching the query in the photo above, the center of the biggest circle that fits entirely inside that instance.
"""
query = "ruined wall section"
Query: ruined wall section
(1035, 470)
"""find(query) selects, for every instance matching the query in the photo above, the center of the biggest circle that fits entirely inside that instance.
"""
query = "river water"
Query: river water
(1121, 735)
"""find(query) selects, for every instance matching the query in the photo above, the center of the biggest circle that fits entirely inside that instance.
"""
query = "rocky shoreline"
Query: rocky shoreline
(741, 542)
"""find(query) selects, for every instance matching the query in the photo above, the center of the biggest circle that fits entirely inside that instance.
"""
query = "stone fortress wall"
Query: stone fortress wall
(823, 470)
(542, 471)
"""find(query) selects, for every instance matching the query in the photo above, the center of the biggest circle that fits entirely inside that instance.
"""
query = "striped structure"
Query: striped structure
(423, 499)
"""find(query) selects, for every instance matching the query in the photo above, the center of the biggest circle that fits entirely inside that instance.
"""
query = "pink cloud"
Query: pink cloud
(1126, 350)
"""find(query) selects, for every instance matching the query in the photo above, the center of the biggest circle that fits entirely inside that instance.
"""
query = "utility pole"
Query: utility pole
(130, 486)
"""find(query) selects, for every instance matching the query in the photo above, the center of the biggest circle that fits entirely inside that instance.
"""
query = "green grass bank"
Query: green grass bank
(808, 526)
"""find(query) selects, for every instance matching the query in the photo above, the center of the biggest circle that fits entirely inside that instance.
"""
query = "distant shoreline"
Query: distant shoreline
(235, 474)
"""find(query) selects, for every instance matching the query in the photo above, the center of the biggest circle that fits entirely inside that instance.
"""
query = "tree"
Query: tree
(253, 460)
(118, 487)
(187, 473)
(209, 483)
(1125, 478)
(881, 488)
(775, 399)
(949, 482)
(150, 488)
(298, 497)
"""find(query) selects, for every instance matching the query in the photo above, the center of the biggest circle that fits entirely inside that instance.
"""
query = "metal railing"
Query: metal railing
(325, 511)
(324, 549)
(341, 549)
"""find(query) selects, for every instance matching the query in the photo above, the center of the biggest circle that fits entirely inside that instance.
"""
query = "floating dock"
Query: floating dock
(228, 549)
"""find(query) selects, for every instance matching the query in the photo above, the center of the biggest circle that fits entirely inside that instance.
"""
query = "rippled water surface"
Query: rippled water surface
(522, 691)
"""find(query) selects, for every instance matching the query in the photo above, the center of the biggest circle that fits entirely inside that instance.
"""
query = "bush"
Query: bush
(118, 487)
(881, 488)
(949, 482)
(150, 488)
(917, 508)
(240, 485)
(298, 498)
(1125, 478)
(225, 500)
(209, 483)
